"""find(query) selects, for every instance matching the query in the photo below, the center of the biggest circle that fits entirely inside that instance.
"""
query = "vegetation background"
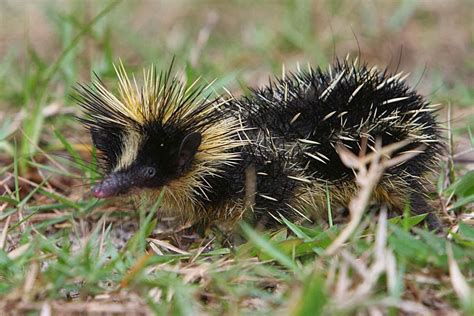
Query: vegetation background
(63, 252)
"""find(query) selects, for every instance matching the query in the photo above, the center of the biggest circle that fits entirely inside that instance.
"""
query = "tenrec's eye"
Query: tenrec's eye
(150, 172)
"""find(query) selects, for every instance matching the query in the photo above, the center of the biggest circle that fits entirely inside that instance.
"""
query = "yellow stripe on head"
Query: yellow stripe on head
(131, 143)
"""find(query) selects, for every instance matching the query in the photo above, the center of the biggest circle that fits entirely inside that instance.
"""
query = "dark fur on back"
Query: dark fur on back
(295, 123)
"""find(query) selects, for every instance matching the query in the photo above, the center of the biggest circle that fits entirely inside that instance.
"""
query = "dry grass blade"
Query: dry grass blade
(167, 245)
(200, 250)
(354, 290)
(139, 266)
(458, 281)
(30, 280)
(86, 308)
(369, 169)
(17, 252)
(369, 274)
(3, 236)
(408, 307)
(203, 37)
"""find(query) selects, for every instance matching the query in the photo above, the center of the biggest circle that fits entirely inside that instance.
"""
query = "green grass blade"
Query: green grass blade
(268, 248)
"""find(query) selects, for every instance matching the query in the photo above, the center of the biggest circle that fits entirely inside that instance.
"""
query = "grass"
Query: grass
(62, 251)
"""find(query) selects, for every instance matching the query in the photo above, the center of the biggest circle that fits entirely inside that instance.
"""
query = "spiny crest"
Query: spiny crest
(161, 98)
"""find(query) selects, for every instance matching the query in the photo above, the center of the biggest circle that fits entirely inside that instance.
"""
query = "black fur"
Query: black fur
(269, 112)
(277, 118)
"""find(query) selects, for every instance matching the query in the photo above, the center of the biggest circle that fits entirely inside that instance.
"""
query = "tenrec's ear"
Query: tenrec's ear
(188, 149)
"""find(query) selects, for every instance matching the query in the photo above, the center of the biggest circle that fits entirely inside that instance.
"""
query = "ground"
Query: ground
(64, 252)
